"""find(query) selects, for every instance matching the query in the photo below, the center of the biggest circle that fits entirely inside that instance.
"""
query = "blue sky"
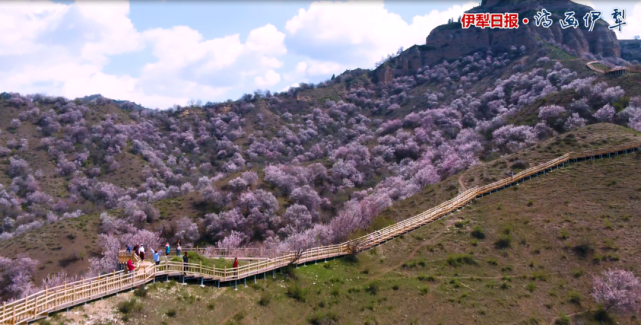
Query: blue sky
(165, 53)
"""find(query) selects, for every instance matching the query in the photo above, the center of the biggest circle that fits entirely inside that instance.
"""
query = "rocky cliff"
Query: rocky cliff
(450, 41)
(631, 50)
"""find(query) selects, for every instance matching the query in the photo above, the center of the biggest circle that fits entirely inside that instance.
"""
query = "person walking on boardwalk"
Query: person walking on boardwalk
(156, 256)
(167, 249)
(136, 249)
(178, 248)
(128, 249)
(141, 252)
(130, 266)
(185, 262)
(235, 266)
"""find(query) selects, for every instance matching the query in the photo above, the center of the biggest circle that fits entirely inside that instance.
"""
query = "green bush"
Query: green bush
(504, 241)
(297, 292)
(574, 297)
(478, 232)
(131, 305)
(429, 278)
(578, 273)
(372, 288)
(584, 248)
(530, 287)
(424, 290)
(414, 263)
(265, 299)
(564, 234)
(460, 259)
(141, 291)
(562, 320)
(323, 318)
(239, 316)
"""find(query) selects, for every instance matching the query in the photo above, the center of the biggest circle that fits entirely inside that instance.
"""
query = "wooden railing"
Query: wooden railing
(49, 300)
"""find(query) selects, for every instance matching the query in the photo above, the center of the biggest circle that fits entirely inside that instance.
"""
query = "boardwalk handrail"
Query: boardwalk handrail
(70, 294)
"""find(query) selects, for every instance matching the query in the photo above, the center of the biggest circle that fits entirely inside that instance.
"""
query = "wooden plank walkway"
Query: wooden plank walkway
(50, 300)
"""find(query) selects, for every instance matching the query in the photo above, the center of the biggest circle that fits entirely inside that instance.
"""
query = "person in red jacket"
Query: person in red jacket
(130, 266)
(235, 266)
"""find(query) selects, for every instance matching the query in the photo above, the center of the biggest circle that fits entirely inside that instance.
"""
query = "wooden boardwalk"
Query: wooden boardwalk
(615, 72)
(50, 300)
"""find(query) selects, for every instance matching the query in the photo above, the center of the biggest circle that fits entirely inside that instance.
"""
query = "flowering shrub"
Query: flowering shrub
(617, 290)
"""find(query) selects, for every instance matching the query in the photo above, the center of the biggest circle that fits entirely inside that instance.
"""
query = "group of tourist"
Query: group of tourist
(139, 250)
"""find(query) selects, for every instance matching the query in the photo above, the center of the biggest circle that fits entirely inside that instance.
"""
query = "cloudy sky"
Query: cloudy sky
(164, 53)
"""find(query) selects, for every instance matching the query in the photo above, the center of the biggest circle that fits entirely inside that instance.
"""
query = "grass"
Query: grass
(141, 291)
(460, 259)
(562, 320)
(504, 241)
(265, 299)
(323, 318)
(129, 306)
(575, 297)
(296, 292)
(478, 232)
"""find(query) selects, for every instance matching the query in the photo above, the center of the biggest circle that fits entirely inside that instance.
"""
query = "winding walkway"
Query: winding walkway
(50, 300)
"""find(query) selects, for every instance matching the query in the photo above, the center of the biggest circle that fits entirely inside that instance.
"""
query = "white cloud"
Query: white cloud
(323, 67)
(301, 67)
(360, 33)
(271, 62)
(269, 79)
(181, 46)
(22, 23)
(114, 32)
(267, 40)
(63, 50)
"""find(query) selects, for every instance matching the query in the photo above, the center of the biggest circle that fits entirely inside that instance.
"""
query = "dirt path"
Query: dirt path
(569, 315)
(461, 183)
(228, 318)
(302, 319)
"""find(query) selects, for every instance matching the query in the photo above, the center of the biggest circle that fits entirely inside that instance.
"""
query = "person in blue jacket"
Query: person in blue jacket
(156, 256)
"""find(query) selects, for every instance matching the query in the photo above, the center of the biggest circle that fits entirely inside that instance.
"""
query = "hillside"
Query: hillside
(81, 178)
(530, 261)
